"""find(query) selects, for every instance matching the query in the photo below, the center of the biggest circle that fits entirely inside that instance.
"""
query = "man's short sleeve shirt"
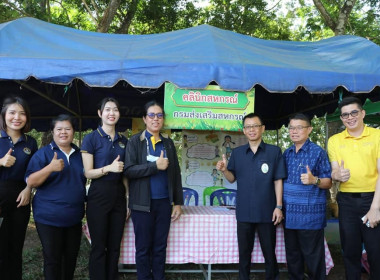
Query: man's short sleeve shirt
(360, 155)
(305, 205)
(310, 154)
(255, 174)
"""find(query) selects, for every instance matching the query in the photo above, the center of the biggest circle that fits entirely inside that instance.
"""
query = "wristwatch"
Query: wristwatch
(279, 207)
(317, 181)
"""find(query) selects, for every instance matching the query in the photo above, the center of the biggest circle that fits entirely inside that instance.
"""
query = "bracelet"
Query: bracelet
(103, 171)
(279, 207)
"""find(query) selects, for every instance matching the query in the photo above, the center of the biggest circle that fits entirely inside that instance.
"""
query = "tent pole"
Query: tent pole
(80, 112)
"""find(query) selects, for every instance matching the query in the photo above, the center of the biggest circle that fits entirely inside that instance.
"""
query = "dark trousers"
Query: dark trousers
(305, 246)
(12, 230)
(353, 233)
(246, 239)
(151, 233)
(60, 246)
(106, 214)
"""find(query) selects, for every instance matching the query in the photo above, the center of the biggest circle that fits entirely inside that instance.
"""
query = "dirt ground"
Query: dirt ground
(34, 261)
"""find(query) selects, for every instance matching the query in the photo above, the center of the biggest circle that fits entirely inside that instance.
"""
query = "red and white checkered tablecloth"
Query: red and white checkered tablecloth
(205, 235)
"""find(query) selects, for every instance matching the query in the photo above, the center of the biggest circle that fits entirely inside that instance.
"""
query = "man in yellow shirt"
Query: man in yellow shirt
(355, 160)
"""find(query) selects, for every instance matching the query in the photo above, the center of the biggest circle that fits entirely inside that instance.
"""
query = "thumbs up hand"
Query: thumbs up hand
(57, 164)
(116, 166)
(308, 178)
(221, 165)
(8, 160)
(343, 173)
(162, 163)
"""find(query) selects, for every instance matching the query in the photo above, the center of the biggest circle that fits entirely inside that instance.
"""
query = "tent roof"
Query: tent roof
(64, 70)
(189, 58)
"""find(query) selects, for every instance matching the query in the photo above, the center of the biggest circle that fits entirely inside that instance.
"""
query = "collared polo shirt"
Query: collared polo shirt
(255, 175)
(59, 201)
(305, 205)
(104, 150)
(23, 150)
(360, 155)
(158, 181)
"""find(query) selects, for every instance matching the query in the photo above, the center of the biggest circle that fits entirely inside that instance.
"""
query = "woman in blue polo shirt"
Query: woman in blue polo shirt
(16, 149)
(56, 170)
(103, 153)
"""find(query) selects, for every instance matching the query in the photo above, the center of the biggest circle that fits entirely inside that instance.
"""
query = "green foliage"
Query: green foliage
(311, 26)
(246, 17)
(7, 14)
(284, 20)
(364, 20)
(68, 14)
(366, 25)
(36, 135)
(158, 16)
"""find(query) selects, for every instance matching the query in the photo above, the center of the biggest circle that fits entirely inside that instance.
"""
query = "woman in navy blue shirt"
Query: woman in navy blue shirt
(103, 153)
(16, 149)
(56, 170)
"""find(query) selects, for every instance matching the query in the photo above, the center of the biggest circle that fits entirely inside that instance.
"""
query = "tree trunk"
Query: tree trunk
(124, 28)
(338, 25)
(343, 17)
(108, 16)
(325, 14)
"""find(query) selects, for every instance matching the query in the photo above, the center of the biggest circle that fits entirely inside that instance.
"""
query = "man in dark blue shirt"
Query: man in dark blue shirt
(309, 175)
(258, 169)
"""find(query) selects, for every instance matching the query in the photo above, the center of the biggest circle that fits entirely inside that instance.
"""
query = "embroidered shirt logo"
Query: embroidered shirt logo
(264, 168)
(27, 151)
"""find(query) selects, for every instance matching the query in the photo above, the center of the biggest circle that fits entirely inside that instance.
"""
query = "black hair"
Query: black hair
(104, 101)
(61, 118)
(153, 103)
(302, 117)
(253, 115)
(15, 100)
(350, 100)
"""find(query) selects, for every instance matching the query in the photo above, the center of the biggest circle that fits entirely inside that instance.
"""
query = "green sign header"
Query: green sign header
(206, 109)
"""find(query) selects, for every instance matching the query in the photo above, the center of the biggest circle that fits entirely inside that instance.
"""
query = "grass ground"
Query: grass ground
(33, 263)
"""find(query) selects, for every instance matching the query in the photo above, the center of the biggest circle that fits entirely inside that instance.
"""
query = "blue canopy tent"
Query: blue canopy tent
(60, 69)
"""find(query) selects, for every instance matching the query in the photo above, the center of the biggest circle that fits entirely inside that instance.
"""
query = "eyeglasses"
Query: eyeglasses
(158, 115)
(254, 126)
(297, 128)
(353, 113)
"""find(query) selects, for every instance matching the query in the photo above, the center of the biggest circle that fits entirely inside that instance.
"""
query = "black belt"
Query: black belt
(358, 195)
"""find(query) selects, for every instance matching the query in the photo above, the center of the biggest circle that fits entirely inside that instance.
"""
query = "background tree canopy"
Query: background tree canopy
(268, 19)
